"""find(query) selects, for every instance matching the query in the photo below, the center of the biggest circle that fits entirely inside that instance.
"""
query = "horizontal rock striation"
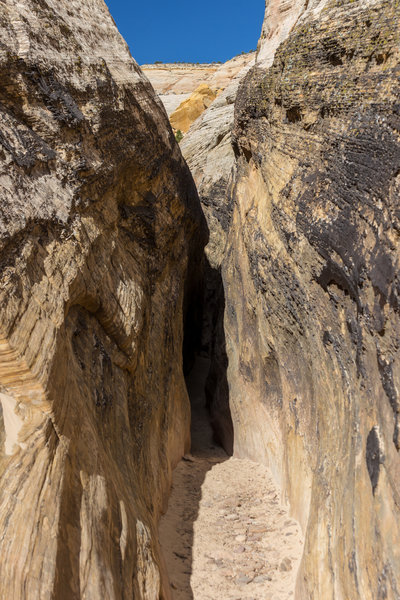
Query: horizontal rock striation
(312, 289)
(175, 82)
(99, 226)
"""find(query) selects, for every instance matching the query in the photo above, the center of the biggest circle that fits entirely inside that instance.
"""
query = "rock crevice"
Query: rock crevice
(104, 288)
(302, 210)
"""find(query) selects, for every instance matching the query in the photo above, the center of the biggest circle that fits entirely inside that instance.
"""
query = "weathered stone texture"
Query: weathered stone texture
(312, 290)
(191, 108)
(99, 219)
(280, 17)
(175, 82)
(208, 150)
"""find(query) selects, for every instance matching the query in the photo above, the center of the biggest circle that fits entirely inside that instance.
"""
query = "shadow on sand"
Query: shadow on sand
(177, 525)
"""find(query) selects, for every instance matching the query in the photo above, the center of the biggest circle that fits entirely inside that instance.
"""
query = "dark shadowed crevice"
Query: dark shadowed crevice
(205, 376)
(217, 388)
(177, 527)
(193, 308)
(204, 337)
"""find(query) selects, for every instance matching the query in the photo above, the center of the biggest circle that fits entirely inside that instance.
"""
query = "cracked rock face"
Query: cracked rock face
(311, 277)
(99, 221)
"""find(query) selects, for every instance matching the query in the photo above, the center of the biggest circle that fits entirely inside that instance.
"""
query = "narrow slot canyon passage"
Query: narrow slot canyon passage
(225, 535)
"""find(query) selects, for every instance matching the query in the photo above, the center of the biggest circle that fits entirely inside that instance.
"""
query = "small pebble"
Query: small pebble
(286, 565)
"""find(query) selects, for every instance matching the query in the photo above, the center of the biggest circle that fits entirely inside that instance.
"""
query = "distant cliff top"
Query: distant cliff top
(181, 65)
(176, 82)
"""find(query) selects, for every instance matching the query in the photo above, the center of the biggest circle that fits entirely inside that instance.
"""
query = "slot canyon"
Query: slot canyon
(200, 341)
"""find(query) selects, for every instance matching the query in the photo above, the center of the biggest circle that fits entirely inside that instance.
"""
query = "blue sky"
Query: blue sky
(183, 30)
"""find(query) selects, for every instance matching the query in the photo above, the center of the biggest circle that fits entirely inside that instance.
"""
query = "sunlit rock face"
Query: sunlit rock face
(99, 223)
(176, 82)
(191, 109)
(280, 17)
(312, 289)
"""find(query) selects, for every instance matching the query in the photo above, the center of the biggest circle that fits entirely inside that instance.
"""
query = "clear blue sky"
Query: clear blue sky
(187, 30)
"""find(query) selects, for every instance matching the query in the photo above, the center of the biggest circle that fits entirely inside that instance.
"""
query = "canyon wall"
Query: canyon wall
(101, 235)
(100, 238)
(312, 289)
(208, 150)
(174, 83)
(186, 90)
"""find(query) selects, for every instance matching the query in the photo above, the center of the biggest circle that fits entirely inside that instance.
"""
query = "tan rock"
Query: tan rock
(208, 150)
(311, 286)
(280, 18)
(176, 82)
(99, 222)
(191, 108)
(169, 78)
(306, 226)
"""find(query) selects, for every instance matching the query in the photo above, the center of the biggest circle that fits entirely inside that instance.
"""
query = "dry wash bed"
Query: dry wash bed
(225, 535)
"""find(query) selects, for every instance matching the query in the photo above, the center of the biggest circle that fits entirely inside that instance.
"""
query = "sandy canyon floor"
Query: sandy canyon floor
(225, 534)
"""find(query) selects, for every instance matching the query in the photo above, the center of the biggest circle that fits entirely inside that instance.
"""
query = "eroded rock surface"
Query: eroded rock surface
(99, 224)
(99, 229)
(208, 150)
(306, 332)
(188, 90)
(174, 83)
(312, 287)
(191, 108)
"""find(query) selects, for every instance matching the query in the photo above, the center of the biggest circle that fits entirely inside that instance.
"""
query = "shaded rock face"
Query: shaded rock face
(99, 225)
(312, 289)
(208, 150)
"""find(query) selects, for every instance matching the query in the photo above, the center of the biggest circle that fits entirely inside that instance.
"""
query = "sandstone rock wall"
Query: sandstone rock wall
(191, 108)
(175, 83)
(208, 150)
(99, 225)
(280, 17)
(311, 278)
(178, 85)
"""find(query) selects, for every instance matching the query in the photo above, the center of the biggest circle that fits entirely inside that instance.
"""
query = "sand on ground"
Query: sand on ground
(225, 535)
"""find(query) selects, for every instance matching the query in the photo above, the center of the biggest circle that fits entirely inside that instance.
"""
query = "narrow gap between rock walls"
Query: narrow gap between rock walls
(225, 534)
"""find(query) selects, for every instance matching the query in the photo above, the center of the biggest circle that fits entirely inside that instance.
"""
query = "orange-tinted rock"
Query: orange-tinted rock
(191, 108)
(176, 82)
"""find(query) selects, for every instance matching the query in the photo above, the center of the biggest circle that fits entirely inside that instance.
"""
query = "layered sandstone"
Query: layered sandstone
(280, 17)
(101, 240)
(99, 226)
(174, 83)
(187, 90)
(304, 326)
(311, 283)
(191, 108)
